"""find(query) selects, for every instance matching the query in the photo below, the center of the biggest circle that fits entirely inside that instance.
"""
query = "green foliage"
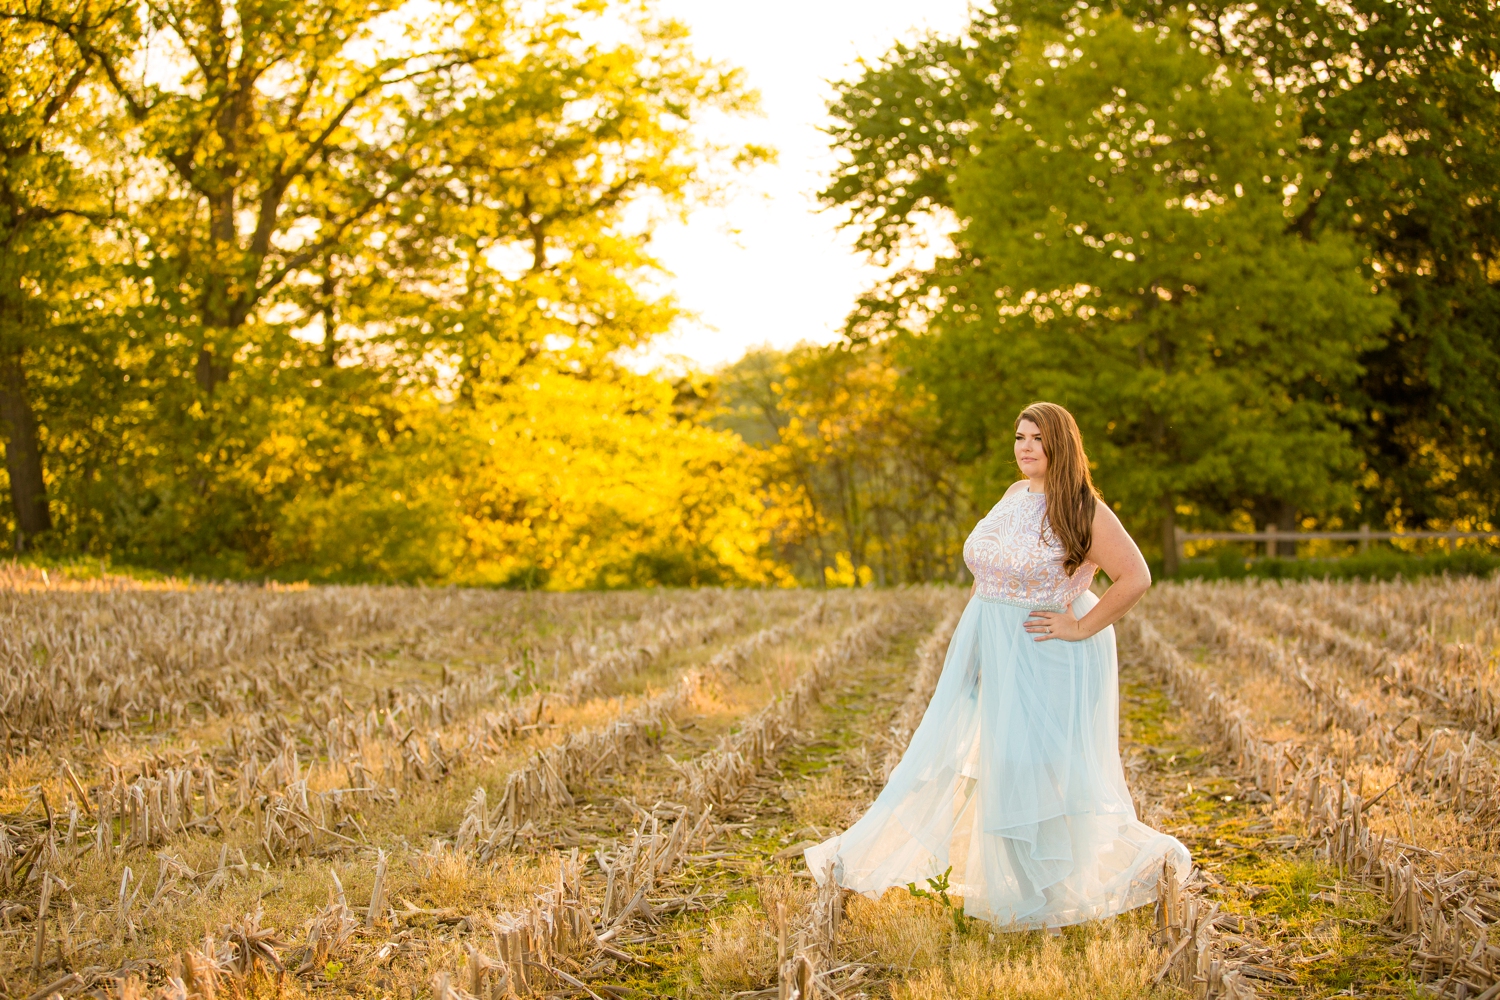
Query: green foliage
(1398, 110)
(1131, 261)
(335, 292)
(1221, 271)
(1376, 565)
(939, 886)
(858, 488)
(1126, 251)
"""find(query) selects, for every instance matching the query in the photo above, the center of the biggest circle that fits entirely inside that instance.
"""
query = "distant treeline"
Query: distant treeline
(312, 289)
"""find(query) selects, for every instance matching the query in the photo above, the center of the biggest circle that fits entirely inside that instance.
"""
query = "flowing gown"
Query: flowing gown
(1013, 777)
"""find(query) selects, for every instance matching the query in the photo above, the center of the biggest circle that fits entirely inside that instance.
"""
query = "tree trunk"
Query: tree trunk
(1169, 535)
(1286, 522)
(330, 322)
(23, 454)
(205, 371)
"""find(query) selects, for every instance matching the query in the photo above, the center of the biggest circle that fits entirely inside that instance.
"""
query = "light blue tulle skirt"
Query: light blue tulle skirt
(1014, 780)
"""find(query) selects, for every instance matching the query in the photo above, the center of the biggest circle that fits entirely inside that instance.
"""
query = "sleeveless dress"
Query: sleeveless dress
(1013, 777)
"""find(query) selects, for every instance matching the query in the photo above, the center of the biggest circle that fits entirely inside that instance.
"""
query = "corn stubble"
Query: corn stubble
(232, 791)
(1389, 774)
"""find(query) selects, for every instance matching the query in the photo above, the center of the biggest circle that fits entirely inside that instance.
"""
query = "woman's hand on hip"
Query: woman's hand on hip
(1044, 625)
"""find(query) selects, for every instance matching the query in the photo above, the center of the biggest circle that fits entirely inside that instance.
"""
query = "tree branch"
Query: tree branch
(311, 253)
(76, 34)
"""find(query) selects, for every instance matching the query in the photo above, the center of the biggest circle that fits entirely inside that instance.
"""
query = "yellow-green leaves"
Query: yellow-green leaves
(356, 276)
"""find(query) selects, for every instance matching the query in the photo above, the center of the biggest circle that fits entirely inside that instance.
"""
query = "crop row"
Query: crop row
(1453, 768)
(1451, 677)
(531, 946)
(541, 786)
(99, 661)
(813, 943)
(279, 783)
(358, 760)
(1446, 915)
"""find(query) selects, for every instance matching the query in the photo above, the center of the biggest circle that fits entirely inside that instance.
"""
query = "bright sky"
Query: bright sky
(765, 267)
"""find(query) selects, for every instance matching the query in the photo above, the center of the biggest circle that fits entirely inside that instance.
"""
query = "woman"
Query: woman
(1013, 778)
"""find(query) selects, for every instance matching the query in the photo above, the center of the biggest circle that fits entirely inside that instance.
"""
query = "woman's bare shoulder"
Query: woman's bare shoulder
(1017, 487)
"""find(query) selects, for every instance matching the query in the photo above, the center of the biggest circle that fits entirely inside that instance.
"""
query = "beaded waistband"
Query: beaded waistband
(1016, 602)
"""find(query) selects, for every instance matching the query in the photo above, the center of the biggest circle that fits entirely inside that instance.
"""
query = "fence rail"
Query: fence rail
(1271, 536)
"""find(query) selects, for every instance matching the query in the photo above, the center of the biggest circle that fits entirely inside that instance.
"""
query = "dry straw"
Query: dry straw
(810, 963)
(374, 750)
(541, 786)
(1453, 677)
(1445, 914)
(561, 926)
(1456, 768)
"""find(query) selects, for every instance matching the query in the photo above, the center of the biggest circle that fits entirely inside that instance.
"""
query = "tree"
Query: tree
(1127, 249)
(855, 484)
(525, 216)
(47, 206)
(1129, 222)
(341, 217)
(556, 482)
(1399, 110)
(1395, 106)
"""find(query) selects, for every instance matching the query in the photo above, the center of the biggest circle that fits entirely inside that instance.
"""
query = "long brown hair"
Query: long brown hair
(1071, 495)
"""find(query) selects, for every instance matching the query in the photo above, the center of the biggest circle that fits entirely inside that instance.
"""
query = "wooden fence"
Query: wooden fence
(1271, 537)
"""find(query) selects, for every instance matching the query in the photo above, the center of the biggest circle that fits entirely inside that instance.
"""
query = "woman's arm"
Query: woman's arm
(1115, 552)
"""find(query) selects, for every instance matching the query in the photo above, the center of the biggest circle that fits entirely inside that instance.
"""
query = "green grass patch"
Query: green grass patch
(1330, 925)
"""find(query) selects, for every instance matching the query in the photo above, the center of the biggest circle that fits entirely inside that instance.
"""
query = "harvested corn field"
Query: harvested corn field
(227, 791)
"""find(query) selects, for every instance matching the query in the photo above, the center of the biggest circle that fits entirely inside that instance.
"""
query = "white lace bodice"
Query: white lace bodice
(1016, 560)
